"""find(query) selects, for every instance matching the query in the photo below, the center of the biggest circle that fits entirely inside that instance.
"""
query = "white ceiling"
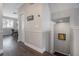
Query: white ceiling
(9, 9)
(54, 7)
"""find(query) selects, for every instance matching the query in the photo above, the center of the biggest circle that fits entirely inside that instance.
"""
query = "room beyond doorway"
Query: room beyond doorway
(62, 35)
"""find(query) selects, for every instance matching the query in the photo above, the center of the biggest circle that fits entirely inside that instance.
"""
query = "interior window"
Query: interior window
(8, 23)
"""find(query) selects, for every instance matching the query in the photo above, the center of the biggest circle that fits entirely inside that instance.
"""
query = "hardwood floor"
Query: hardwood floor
(13, 48)
(59, 54)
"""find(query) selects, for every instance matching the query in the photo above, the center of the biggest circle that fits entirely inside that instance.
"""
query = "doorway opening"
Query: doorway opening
(62, 36)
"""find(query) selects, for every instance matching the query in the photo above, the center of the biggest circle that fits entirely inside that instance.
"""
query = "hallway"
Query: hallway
(40, 27)
(13, 48)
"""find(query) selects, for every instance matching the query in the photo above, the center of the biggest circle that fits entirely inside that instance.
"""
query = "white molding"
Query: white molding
(75, 27)
(35, 48)
(62, 53)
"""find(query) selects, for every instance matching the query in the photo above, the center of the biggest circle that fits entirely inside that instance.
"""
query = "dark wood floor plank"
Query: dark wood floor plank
(13, 48)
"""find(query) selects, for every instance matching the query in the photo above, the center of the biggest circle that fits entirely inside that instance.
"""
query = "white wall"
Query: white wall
(37, 30)
(73, 13)
(46, 20)
(62, 46)
(52, 29)
(33, 29)
(1, 41)
(75, 41)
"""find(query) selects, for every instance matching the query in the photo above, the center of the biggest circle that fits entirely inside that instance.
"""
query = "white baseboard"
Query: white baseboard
(1, 51)
(18, 40)
(35, 48)
(62, 53)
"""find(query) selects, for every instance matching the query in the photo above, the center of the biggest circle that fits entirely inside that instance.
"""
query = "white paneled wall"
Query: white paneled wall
(75, 41)
(35, 30)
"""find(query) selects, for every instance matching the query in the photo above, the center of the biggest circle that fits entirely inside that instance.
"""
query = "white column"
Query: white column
(75, 45)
